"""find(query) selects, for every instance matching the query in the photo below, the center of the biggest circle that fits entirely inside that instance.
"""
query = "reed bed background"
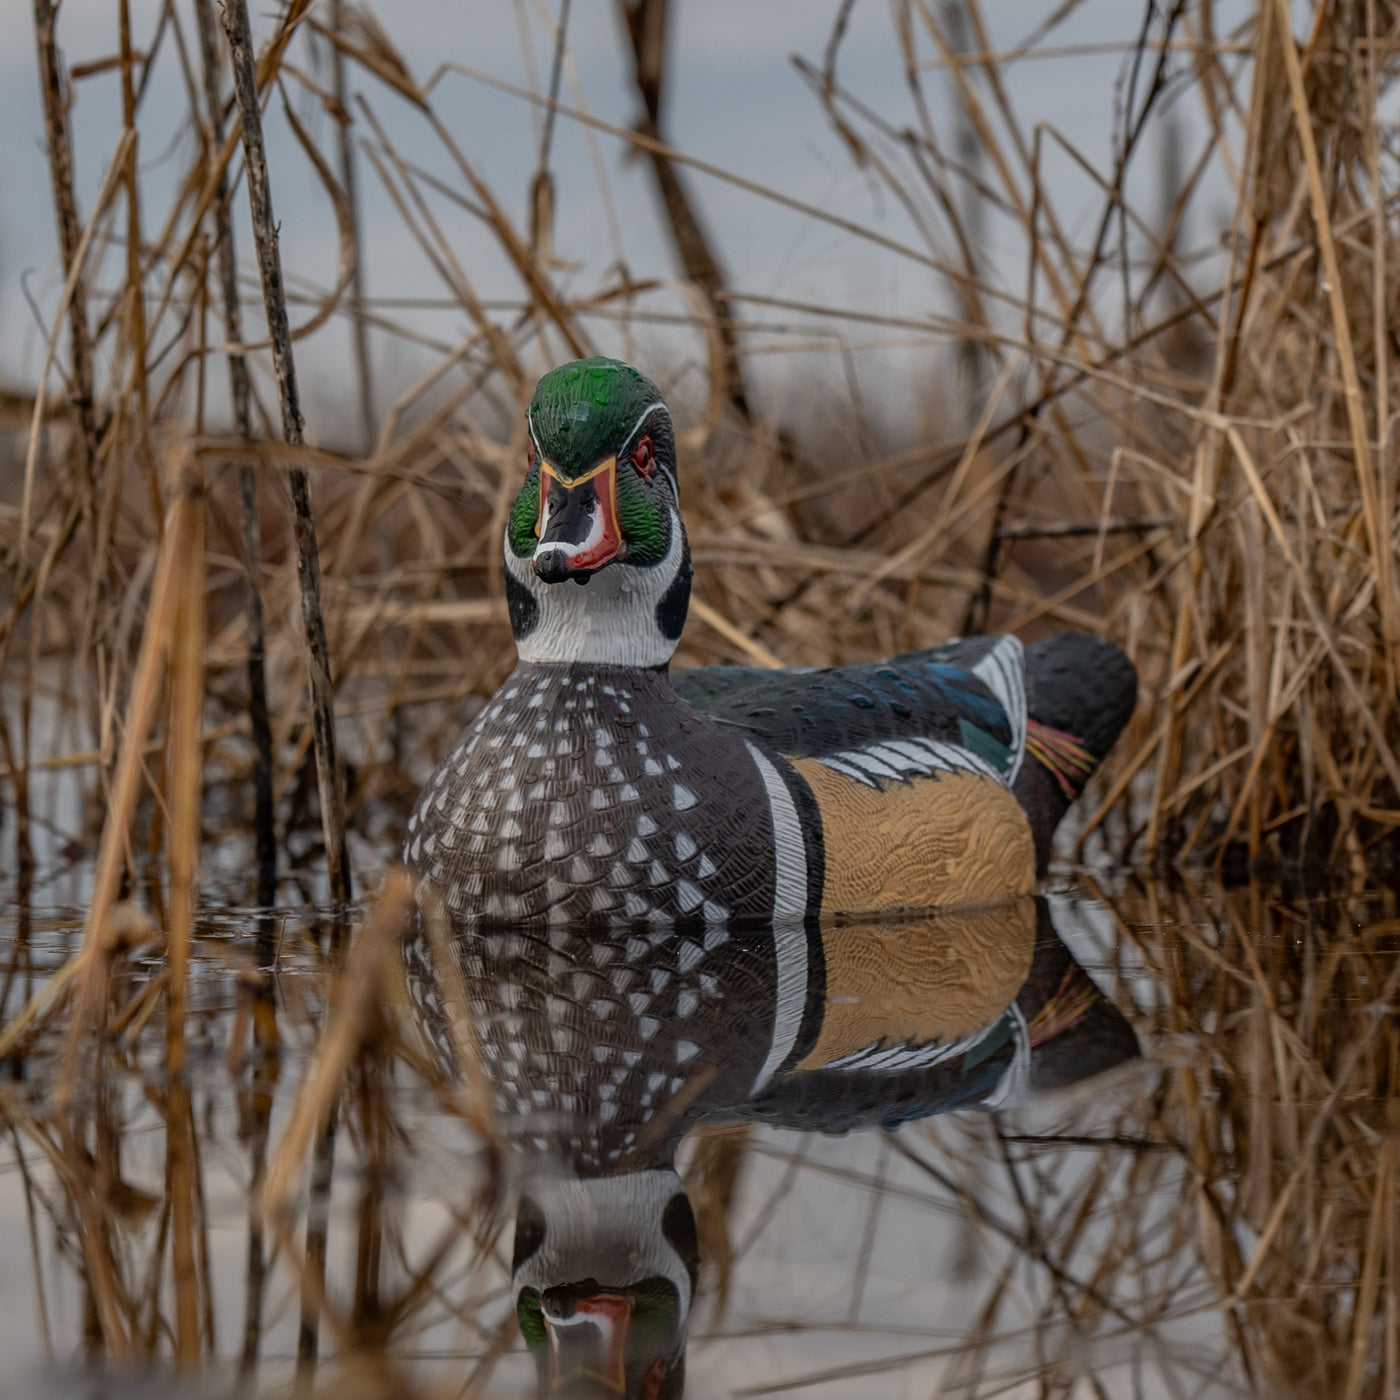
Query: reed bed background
(1183, 445)
(233, 643)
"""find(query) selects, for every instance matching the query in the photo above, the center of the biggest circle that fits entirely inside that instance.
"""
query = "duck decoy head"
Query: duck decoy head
(604, 1274)
(599, 501)
(601, 480)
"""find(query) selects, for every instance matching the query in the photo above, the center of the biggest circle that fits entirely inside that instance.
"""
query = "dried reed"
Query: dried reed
(1202, 471)
(1190, 453)
(1222, 1219)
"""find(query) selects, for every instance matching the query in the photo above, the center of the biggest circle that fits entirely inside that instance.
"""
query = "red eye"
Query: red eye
(643, 459)
(530, 453)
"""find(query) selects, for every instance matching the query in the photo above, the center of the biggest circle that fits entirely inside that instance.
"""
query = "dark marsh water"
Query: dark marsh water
(1212, 1213)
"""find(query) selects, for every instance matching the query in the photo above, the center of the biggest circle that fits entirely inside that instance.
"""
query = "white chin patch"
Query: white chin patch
(607, 1228)
(610, 620)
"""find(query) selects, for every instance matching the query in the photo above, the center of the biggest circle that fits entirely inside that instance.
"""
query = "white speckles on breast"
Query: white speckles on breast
(688, 896)
(540, 799)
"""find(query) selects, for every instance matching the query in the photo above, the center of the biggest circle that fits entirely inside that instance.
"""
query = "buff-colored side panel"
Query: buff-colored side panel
(932, 979)
(938, 841)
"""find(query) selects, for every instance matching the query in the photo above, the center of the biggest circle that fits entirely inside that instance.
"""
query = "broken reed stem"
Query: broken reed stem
(264, 821)
(330, 778)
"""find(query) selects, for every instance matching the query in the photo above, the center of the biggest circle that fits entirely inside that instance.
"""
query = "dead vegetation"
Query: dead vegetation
(1182, 444)
(1188, 449)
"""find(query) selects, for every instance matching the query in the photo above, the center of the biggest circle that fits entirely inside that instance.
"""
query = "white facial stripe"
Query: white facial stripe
(600, 1324)
(657, 407)
(660, 466)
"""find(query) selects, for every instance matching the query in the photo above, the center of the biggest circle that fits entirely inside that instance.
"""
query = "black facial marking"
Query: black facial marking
(524, 609)
(671, 609)
(678, 1225)
(529, 1232)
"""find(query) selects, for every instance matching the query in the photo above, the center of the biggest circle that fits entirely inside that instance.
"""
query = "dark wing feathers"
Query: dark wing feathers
(813, 714)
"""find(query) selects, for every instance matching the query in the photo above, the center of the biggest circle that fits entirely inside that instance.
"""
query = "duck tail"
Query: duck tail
(1080, 693)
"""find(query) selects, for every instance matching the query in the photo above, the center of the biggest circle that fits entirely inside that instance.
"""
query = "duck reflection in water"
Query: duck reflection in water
(605, 1046)
(594, 786)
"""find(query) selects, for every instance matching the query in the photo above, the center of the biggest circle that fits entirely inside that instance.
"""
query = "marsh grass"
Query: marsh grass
(1187, 450)
(1192, 455)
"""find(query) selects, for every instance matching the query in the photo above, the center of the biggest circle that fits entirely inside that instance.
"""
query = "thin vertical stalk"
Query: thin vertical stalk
(264, 820)
(69, 235)
(645, 25)
(186, 783)
(135, 280)
(330, 778)
(313, 1279)
(255, 1114)
(359, 331)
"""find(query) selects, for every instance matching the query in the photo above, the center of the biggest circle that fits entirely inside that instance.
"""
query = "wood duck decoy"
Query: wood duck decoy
(604, 1046)
(594, 784)
(719, 816)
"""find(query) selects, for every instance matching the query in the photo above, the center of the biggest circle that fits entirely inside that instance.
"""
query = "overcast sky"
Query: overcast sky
(735, 99)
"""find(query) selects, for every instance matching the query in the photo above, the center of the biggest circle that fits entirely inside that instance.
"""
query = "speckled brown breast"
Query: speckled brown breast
(585, 793)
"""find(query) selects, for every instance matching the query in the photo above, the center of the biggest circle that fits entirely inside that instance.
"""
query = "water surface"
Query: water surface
(1140, 1139)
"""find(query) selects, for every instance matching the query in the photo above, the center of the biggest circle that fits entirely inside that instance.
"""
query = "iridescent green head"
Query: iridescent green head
(599, 502)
